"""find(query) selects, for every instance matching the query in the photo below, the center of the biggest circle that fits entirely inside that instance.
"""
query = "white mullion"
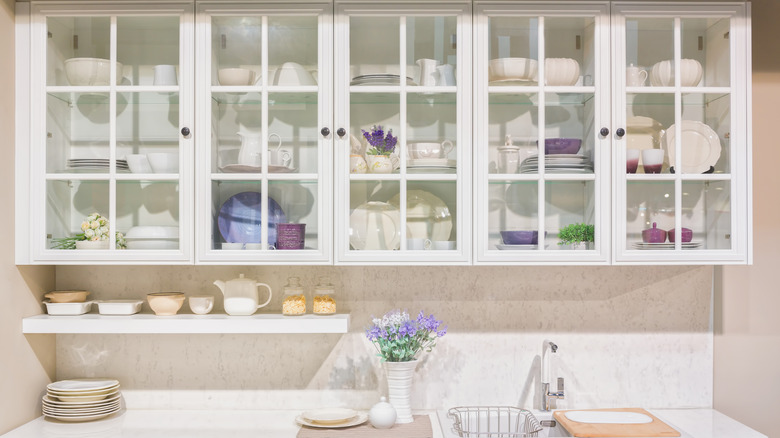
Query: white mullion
(678, 136)
(402, 134)
(541, 187)
(263, 136)
(112, 136)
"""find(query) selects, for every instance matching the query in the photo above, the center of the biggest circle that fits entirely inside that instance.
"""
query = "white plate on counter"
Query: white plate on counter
(330, 415)
(360, 418)
(78, 418)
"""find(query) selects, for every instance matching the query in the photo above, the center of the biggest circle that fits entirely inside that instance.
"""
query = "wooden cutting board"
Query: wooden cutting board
(656, 428)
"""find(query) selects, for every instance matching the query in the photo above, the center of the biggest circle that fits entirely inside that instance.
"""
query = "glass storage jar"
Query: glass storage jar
(294, 298)
(324, 298)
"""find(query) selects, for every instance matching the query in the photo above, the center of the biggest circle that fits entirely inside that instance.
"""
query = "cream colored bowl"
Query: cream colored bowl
(67, 296)
(662, 73)
(165, 303)
(561, 71)
(512, 68)
(91, 71)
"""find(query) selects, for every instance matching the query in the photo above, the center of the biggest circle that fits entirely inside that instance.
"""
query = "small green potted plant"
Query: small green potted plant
(576, 235)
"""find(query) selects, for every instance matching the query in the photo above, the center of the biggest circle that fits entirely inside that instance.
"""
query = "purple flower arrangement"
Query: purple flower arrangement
(398, 338)
(381, 144)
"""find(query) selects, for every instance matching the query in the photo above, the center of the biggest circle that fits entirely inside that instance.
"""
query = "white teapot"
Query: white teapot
(241, 296)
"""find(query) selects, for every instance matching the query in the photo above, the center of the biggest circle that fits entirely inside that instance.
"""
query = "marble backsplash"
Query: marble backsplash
(627, 336)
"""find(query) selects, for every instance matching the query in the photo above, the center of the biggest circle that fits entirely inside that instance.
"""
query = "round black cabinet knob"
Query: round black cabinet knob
(325, 131)
(185, 131)
(604, 132)
(341, 132)
(620, 132)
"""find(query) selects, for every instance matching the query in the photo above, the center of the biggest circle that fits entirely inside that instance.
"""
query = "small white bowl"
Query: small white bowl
(513, 68)
(236, 77)
(163, 162)
(91, 71)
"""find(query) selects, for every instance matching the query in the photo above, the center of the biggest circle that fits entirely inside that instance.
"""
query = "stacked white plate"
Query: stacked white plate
(81, 399)
(96, 163)
(665, 245)
(380, 79)
(328, 418)
(558, 163)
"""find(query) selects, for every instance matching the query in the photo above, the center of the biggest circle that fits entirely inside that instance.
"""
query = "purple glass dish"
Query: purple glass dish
(687, 235)
(654, 235)
(556, 146)
(290, 236)
(521, 237)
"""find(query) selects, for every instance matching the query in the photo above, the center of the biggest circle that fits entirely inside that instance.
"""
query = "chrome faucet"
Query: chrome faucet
(547, 395)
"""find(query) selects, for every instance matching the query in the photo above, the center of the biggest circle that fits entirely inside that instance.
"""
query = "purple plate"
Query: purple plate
(239, 218)
(554, 146)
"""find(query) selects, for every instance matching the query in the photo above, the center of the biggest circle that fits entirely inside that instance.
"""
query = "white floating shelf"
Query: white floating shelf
(186, 323)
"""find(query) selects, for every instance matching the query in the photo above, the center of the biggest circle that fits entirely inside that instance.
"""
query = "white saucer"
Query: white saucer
(360, 418)
(430, 162)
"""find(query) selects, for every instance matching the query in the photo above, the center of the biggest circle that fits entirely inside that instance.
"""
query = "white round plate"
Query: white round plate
(360, 418)
(72, 412)
(51, 401)
(329, 415)
(427, 216)
(375, 226)
(700, 146)
(105, 391)
(83, 417)
(81, 385)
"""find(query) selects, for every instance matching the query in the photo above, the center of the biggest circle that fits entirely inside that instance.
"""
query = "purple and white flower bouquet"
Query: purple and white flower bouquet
(381, 143)
(399, 338)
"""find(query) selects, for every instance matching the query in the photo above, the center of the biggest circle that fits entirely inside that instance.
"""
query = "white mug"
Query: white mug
(279, 157)
(165, 75)
(635, 76)
(418, 244)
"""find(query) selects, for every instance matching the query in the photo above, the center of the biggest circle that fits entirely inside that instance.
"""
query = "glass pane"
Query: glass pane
(431, 49)
(236, 44)
(69, 203)
(238, 219)
(569, 137)
(374, 222)
(431, 215)
(148, 47)
(514, 131)
(569, 205)
(516, 38)
(292, 50)
(79, 128)
(148, 131)
(513, 217)
(231, 114)
(569, 51)
(293, 118)
(431, 133)
(705, 134)
(375, 109)
(705, 52)
(86, 40)
(299, 205)
(144, 204)
(649, 203)
(707, 215)
(374, 48)
(650, 48)
(648, 118)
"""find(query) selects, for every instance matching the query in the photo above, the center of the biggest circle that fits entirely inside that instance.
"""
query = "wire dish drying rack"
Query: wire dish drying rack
(493, 422)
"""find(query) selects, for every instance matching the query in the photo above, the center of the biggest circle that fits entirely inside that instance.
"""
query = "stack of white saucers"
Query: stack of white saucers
(81, 399)
(558, 163)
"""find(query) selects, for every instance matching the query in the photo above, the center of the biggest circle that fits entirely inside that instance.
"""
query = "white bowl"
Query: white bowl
(236, 76)
(662, 73)
(152, 232)
(163, 162)
(293, 74)
(512, 68)
(91, 71)
(119, 307)
(561, 71)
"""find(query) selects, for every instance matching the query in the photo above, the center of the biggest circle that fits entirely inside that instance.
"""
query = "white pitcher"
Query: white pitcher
(251, 152)
(428, 72)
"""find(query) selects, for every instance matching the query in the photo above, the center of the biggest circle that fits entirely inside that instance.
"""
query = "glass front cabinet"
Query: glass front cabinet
(462, 132)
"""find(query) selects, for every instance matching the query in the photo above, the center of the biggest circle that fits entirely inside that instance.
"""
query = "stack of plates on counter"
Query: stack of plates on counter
(430, 165)
(664, 245)
(329, 418)
(81, 399)
(380, 79)
(96, 163)
(558, 163)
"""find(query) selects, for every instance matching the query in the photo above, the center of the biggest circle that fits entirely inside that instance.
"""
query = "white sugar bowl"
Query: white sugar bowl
(382, 415)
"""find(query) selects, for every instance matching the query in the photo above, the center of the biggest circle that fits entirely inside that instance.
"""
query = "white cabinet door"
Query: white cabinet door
(541, 161)
(403, 139)
(264, 194)
(681, 82)
(111, 94)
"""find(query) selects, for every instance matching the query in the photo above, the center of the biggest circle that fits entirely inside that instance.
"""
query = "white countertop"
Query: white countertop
(692, 423)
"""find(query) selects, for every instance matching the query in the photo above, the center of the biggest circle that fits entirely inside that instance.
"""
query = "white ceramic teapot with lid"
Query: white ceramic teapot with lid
(241, 296)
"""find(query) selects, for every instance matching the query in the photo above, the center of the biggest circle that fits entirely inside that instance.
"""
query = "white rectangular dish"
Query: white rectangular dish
(68, 308)
(119, 307)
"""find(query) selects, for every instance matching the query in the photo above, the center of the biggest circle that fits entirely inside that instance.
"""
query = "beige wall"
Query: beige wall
(747, 329)
(26, 362)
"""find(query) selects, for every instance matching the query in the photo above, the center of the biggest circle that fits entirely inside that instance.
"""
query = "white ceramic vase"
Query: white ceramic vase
(399, 388)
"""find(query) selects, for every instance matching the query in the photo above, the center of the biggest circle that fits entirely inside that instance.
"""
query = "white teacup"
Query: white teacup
(201, 304)
(279, 157)
(429, 150)
(418, 244)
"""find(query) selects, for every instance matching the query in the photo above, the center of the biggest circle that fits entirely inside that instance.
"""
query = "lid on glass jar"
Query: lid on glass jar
(293, 286)
(324, 287)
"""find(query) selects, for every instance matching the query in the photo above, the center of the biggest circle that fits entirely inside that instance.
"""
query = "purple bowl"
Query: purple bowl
(687, 235)
(520, 237)
(555, 146)
(654, 235)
